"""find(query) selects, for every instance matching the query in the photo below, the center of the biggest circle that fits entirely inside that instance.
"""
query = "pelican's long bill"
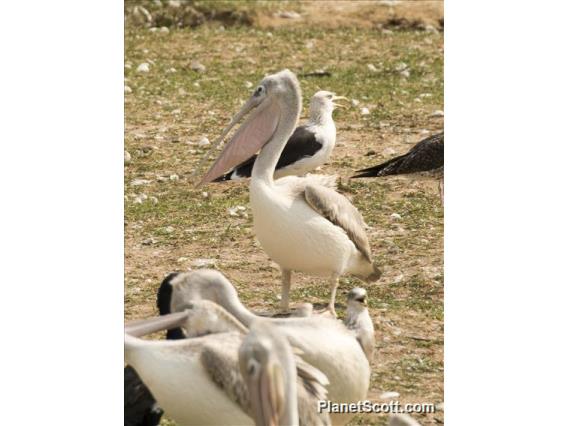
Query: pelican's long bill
(255, 132)
(265, 382)
(140, 328)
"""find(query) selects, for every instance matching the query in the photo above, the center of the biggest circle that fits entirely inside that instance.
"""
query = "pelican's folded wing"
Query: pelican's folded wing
(339, 211)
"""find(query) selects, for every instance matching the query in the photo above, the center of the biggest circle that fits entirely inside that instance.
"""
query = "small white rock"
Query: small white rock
(174, 177)
(431, 29)
(154, 200)
(205, 194)
(395, 216)
(389, 395)
(171, 70)
(289, 15)
(148, 241)
(127, 89)
(196, 84)
(203, 263)
(197, 66)
(405, 73)
(182, 259)
(248, 84)
(398, 278)
(140, 182)
(401, 66)
(164, 30)
(310, 44)
(437, 113)
(174, 3)
(143, 67)
(372, 68)
(127, 157)
(169, 229)
(365, 111)
(203, 142)
(355, 102)
(176, 111)
(232, 211)
(388, 152)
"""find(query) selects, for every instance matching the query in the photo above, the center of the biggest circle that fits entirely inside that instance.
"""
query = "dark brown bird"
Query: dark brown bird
(427, 155)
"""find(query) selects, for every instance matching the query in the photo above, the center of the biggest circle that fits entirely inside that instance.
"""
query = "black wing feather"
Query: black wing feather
(301, 144)
(426, 155)
(140, 407)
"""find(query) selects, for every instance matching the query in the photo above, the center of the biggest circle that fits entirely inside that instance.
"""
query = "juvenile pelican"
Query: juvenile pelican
(301, 222)
(309, 147)
(228, 377)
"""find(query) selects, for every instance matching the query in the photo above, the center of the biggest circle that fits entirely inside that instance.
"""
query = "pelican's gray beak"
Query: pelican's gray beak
(266, 389)
(143, 327)
(339, 98)
(248, 140)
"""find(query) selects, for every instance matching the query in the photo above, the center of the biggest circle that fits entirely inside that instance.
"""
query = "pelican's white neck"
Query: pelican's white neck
(265, 164)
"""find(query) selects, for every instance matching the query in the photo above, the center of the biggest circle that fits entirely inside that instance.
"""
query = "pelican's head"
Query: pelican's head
(267, 365)
(323, 103)
(277, 98)
(357, 300)
(206, 317)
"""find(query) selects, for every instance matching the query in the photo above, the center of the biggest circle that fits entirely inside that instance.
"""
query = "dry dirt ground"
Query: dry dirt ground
(170, 224)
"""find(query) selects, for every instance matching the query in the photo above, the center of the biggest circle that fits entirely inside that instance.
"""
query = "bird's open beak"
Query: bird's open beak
(140, 328)
(267, 395)
(339, 98)
(254, 133)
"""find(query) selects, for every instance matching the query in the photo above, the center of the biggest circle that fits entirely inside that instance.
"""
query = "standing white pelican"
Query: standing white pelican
(302, 223)
(227, 377)
(309, 147)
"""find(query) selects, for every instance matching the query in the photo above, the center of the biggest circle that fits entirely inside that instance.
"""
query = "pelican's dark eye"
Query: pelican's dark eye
(258, 91)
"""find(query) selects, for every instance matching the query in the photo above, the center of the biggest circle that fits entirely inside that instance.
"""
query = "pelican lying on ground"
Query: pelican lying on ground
(426, 156)
(302, 223)
(309, 147)
(227, 377)
(338, 351)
